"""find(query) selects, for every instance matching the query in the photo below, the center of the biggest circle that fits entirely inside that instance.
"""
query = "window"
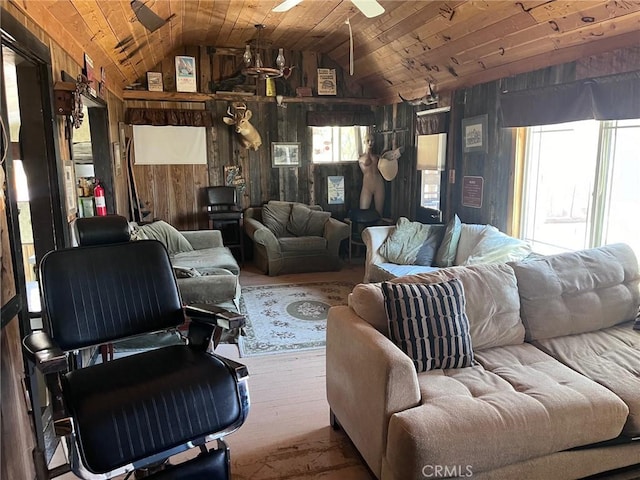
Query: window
(338, 144)
(431, 153)
(581, 185)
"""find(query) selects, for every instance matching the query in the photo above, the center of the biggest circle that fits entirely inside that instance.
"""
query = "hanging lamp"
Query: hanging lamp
(253, 65)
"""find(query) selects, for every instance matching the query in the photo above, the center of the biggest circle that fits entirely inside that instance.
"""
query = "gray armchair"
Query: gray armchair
(290, 237)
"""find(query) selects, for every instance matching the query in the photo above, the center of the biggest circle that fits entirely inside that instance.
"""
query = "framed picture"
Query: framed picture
(327, 81)
(335, 189)
(285, 154)
(154, 81)
(185, 74)
(474, 134)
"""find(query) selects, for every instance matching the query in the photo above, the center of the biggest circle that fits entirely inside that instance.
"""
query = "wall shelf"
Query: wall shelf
(145, 95)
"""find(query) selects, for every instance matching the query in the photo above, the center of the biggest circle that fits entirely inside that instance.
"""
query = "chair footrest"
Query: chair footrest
(213, 465)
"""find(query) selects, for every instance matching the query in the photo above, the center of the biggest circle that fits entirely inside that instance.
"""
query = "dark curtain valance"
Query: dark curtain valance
(431, 124)
(616, 97)
(340, 118)
(161, 117)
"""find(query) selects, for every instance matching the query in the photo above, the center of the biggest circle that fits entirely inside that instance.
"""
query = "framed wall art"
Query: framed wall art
(185, 74)
(335, 189)
(285, 154)
(474, 134)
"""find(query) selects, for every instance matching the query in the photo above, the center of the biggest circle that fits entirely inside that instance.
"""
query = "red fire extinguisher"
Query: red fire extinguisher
(101, 204)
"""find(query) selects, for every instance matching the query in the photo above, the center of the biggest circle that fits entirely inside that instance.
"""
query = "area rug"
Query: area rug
(283, 318)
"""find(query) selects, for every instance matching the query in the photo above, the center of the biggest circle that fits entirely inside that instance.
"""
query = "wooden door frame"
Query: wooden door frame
(48, 216)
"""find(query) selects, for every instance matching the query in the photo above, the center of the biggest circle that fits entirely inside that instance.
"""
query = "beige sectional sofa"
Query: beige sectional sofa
(554, 392)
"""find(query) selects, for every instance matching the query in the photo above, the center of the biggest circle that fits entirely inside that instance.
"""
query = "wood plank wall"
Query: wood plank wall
(176, 194)
(496, 166)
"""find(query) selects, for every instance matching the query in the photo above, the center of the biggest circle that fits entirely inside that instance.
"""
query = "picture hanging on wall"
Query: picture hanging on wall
(185, 74)
(474, 134)
(335, 189)
(285, 154)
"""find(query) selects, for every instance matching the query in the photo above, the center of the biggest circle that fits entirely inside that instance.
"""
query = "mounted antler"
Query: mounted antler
(430, 98)
(240, 116)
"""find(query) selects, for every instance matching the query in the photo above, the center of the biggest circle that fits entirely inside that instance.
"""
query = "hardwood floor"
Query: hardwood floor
(287, 434)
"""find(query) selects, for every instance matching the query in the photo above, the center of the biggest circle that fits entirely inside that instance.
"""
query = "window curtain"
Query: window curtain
(615, 97)
(340, 118)
(432, 124)
(168, 117)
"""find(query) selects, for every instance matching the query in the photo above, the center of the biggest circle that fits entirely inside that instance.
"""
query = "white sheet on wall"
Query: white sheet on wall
(168, 145)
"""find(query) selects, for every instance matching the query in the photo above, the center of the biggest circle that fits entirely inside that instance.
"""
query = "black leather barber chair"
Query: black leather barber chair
(134, 412)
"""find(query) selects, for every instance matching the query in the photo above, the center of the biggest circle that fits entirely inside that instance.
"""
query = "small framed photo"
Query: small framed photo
(185, 74)
(285, 154)
(474, 134)
(154, 82)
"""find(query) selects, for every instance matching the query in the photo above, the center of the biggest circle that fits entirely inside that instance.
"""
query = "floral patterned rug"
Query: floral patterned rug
(282, 318)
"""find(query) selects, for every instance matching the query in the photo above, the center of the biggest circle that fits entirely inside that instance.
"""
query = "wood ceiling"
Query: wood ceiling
(450, 44)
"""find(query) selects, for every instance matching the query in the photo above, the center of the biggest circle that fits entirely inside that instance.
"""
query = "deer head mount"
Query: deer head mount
(239, 115)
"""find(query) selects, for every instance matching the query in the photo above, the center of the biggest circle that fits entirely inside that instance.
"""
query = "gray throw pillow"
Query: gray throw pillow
(275, 216)
(412, 243)
(446, 253)
(428, 322)
(305, 222)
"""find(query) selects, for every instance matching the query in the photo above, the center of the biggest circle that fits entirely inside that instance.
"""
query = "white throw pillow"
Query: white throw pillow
(497, 247)
(470, 235)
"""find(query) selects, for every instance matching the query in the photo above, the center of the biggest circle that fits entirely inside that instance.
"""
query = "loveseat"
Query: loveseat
(409, 248)
(290, 237)
(206, 270)
(551, 390)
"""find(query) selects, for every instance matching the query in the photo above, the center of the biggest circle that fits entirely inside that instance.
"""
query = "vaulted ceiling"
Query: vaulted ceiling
(449, 44)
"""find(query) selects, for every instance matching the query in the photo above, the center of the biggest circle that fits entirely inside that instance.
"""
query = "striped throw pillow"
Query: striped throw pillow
(428, 322)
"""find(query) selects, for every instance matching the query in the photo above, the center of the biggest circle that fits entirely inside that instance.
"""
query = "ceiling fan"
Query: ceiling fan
(369, 8)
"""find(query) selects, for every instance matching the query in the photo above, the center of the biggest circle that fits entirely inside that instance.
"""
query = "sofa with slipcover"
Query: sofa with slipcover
(290, 237)
(500, 371)
(205, 269)
(409, 248)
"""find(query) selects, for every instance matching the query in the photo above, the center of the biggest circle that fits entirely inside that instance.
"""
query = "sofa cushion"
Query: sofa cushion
(470, 234)
(275, 216)
(517, 404)
(496, 247)
(609, 357)
(387, 271)
(207, 260)
(303, 244)
(492, 302)
(412, 243)
(171, 238)
(446, 254)
(304, 222)
(581, 291)
(429, 324)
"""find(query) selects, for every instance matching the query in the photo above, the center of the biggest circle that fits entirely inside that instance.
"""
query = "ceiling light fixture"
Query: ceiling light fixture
(253, 65)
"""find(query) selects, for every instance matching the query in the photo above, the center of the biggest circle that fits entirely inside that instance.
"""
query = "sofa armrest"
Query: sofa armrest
(368, 380)
(200, 239)
(334, 232)
(261, 235)
(373, 238)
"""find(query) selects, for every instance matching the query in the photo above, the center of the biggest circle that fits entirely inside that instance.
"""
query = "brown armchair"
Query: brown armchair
(291, 237)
